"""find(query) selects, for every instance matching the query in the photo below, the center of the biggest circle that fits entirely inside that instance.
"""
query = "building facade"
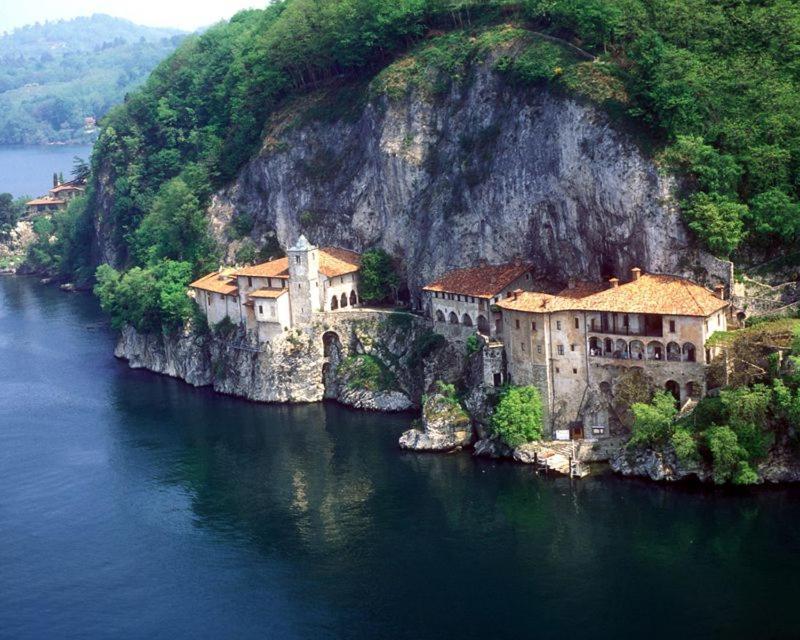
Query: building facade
(464, 301)
(273, 296)
(576, 346)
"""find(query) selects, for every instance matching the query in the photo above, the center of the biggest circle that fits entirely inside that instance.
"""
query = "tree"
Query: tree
(10, 211)
(653, 422)
(773, 214)
(729, 458)
(378, 278)
(717, 221)
(517, 419)
(80, 169)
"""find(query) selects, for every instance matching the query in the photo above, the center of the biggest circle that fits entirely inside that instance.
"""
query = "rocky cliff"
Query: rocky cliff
(486, 171)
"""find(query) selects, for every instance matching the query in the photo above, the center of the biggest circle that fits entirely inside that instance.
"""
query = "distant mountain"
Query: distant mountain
(56, 78)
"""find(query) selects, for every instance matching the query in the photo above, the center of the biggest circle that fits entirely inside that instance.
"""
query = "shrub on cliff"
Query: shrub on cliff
(653, 422)
(518, 417)
(378, 278)
(367, 372)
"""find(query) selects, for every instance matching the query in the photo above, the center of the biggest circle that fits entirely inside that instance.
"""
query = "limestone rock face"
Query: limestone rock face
(375, 400)
(656, 464)
(492, 448)
(446, 426)
(487, 172)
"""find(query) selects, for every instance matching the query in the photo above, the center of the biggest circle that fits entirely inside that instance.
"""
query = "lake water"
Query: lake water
(134, 506)
(28, 171)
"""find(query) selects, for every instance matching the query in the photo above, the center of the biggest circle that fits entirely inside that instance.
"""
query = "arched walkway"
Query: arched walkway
(595, 348)
(621, 349)
(655, 350)
(609, 347)
(453, 317)
(439, 315)
(673, 352)
(343, 302)
(674, 388)
(636, 349)
(353, 299)
(466, 320)
(334, 303)
(689, 352)
(483, 325)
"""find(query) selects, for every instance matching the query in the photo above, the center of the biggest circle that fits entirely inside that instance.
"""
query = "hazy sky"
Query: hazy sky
(183, 14)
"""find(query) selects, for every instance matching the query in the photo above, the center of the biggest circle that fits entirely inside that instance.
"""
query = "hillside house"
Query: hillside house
(66, 191)
(575, 345)
(273, 296)
(464, 301)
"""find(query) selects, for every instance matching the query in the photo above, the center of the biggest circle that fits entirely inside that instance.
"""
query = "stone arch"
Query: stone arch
(343, 301)
(621, 349)
(439, 315)
(331, 343)
(452, 318)
(636, 349)
(693, 390)
(674, 388)
(673, 352)
(655, 350)
(353, 298)
(466, 320)
(595, 346)
(483, 325)
(608, 347)
(689, 352)
(334, 303)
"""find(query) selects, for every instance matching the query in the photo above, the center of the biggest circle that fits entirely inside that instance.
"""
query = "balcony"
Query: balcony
(650, 326)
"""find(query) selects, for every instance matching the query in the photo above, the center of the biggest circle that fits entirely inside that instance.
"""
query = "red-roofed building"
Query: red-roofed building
(288, 291)
(462, 301)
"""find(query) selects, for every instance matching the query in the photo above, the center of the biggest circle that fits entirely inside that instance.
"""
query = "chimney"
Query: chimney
(613, 282)
(515, 293)
(635, 273)
(719, 291)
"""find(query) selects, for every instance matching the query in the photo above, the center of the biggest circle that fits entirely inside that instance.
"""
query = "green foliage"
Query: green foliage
(425, 344)
(748, 409)
(653, 422)
(55, 74)
(10, 212)
(242, 224)
(540, 62)
(378, 280)
(473, 344)
(367, 372)
(711, 170)
(247, 253)
(717, 221)
(176, 228)
(774, 216)
(517, 419)
(685, 445)
(148, 299)
(730, 459)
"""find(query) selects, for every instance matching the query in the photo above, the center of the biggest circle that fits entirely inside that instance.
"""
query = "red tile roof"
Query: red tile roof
(485, 281)
(264, 292)
(333, 262)
(42, 201)
(217, 282)
(651, 293)
(67, 187)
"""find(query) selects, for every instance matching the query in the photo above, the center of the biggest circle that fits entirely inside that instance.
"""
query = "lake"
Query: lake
(135, 506)
(28, 171)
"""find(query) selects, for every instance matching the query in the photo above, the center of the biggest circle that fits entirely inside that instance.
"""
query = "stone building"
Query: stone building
(576, 345)
(273, 296)
(464, 301)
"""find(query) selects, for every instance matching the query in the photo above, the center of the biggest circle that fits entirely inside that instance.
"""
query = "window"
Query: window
(558, 325)
(527, 276)
(575, 371)
(538, 348)
(561, 349)
(297, 259)
(249, 281)
(672, 326)
(625, 320)
(522, 346)
(516, 323)
(533, 326)
(572, 347)
(261, 309)
(558, 370)
(577, 325)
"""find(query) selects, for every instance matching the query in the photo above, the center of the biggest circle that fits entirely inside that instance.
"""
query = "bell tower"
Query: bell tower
(304, 295)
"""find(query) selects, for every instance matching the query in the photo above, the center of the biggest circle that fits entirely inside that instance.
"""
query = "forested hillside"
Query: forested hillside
(53, 75)
(711, 88)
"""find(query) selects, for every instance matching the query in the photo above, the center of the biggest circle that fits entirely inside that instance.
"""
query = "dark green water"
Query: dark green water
(134, 506)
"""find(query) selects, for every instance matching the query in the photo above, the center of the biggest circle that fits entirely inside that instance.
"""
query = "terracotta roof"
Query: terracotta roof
(65, 187)
(582, 289)
(37, 201)
(278, 268)
(217, 282)
(266, 293)
(482, 282)
(333, 261)
(651, 293)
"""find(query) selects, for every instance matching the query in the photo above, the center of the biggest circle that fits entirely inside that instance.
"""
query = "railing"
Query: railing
(626, 331)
